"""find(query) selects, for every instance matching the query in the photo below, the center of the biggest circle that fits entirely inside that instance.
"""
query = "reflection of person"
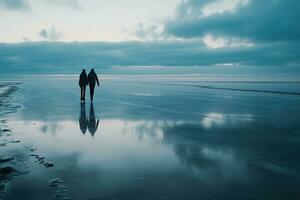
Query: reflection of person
(83, 81)
(92, 80)
(83, 122)
(92, 124)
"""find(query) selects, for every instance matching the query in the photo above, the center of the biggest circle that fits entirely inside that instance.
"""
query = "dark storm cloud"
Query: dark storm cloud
(60, 57)
(259, 20)
(18, 5)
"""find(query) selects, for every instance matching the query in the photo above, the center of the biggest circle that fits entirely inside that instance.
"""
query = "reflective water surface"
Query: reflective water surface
(149, 141)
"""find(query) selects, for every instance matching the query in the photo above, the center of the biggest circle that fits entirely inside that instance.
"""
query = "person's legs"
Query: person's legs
(81, 92)
(83, 97)
(92, 87)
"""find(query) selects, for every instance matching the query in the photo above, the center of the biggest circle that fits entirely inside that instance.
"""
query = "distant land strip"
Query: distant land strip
(229, 89)
(245, 81)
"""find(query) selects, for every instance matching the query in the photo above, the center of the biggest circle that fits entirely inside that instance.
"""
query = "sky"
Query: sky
(127, 36)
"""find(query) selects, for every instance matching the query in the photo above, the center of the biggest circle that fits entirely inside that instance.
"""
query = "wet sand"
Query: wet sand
(11, 165)
(151, 141)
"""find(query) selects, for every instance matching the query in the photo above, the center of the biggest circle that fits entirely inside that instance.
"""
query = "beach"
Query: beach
(150, 137)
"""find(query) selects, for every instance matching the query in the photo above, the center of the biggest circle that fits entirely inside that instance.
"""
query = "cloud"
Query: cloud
(73, 4)
(214, 42)
(26, 39)
(23, 5)
(190, 8)
(147, 33)
(16, 5)
(61, 57)
(201, 33)
(258, 20)
(51, 34)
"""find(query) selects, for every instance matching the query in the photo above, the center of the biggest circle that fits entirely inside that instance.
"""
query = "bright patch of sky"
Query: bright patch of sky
(221, 6)
(215, 42)
(82, 20)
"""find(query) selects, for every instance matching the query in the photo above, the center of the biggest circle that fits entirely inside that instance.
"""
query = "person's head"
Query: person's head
(83, 70)
(92, 70)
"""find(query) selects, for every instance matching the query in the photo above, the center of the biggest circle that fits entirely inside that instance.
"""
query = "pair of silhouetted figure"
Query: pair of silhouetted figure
(88, 123)
(90, 80)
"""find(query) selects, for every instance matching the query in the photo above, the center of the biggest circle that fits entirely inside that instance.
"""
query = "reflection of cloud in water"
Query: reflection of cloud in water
(208, 162)
(113, 147)
(51, 127)
(193, 149)
(150, 128)
(202, 155)
(218, 119)
(213, 119)
(221, 154)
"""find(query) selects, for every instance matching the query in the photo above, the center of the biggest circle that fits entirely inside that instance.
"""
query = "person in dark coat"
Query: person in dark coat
(83, 81)
(92, 80)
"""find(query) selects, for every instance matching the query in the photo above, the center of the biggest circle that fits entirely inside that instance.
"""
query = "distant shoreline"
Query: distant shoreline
(200, 78)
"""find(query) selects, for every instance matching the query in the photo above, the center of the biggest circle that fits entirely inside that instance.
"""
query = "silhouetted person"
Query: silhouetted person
(83, 81)
(83, 122)
(92, 80)
(92, 124)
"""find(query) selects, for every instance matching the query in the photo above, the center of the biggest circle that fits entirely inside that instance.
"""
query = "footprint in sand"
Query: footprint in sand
(41, 160)
(61, 189)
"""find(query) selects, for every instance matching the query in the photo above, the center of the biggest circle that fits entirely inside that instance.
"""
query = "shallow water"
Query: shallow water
(157, 141)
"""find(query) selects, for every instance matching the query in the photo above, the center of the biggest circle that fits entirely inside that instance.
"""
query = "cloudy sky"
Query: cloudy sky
(61, 36)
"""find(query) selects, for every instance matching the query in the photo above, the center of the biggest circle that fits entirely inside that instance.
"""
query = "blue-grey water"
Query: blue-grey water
(157, 139)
